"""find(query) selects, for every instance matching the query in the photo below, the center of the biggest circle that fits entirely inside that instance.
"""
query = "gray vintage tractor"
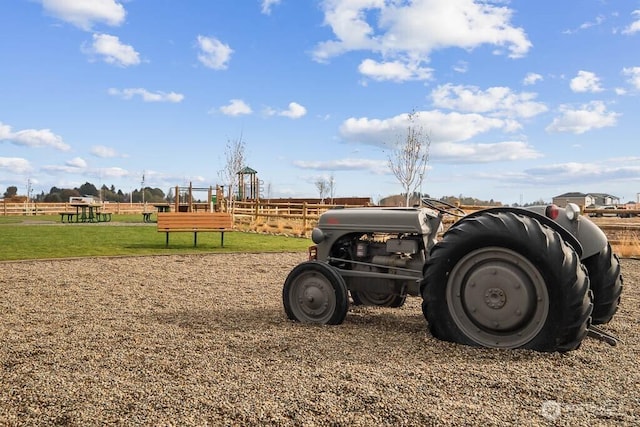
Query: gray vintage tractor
(538, 278)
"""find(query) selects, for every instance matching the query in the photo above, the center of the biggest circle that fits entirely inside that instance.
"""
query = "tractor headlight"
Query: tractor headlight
(572, 211)
(317, 236)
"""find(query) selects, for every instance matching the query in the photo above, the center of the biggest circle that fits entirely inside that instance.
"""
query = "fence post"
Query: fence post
(255, 215)
(304, 216)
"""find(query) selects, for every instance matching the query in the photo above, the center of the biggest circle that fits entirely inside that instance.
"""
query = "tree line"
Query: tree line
(104, 193)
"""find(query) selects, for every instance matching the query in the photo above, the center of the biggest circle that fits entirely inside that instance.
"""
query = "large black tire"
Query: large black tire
(377, 299)
(504, 280)
(315, 293)
(606, 284)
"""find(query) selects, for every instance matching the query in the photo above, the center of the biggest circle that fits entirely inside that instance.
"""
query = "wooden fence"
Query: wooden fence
(297, 218)
(302, 216)
(33, 208)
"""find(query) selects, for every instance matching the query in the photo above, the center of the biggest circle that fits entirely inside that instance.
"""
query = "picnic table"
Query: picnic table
(159, 207)
(85, 212)
(162, 207)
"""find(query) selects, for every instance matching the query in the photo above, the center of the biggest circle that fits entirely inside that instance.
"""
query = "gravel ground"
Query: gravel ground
(203, 340)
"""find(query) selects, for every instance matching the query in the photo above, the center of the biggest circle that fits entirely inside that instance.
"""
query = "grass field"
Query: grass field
(44, 237)
(23, 238)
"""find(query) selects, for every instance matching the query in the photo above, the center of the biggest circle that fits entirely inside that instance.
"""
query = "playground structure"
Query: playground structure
(248, 189)
(185, 202)
(248, 184)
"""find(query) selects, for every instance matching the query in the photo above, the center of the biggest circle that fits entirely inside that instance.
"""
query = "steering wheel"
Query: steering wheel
(445, 208)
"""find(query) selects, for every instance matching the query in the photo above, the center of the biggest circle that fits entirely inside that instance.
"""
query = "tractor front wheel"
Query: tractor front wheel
(315, 293)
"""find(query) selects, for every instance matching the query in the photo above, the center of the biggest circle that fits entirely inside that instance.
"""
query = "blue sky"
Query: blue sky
(523, 100)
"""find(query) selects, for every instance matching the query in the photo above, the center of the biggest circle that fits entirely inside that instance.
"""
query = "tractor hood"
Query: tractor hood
(376, 220)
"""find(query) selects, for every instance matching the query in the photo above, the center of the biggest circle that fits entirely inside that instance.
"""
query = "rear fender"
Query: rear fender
(573, 240)
(590, 236)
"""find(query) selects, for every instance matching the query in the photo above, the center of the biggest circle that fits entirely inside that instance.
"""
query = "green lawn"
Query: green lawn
(24, 238)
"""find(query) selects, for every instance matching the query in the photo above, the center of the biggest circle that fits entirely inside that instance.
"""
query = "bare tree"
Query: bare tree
(410, 156)
(332, 187)
(234, 162)
(323, 186)
(269, 190)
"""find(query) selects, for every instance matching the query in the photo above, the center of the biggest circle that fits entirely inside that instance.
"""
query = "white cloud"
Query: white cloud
(15, 165)
(85, 13)
(634, 76)
(634, 27)
(483, 153)
(105, 152)
(236, 107)
(585, 81)
(213, 53)
(531, 79)
(588, 117)
(394, 70)
(33, 138)
(112, 51)
(77, 162)
(295, 111)
(498, 101)
(461, 67)
(410, 31)
(268, 4)
(146, 95)
(5, 132)
(441, 127)
(378, 167)
(72, 166)
(113, 172)
(57, 169)
(572, 172)
(78, 166)
(586, 25)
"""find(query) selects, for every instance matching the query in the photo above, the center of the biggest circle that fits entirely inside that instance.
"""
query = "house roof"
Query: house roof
(604, 195)
(572, 194)
(578, 194)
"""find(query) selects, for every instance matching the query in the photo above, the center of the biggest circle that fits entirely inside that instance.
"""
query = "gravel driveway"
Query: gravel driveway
(203, 340)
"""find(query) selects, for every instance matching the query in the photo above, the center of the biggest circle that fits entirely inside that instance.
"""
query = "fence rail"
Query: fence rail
(621, 213)
(307, 214)
(33, 208)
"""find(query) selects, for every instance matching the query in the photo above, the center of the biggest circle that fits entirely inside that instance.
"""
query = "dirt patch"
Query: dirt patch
(203, 339)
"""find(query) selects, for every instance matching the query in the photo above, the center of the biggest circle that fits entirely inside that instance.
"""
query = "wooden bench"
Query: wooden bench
(195, 222)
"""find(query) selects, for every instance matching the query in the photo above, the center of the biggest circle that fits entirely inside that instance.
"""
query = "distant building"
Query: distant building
(586, 200)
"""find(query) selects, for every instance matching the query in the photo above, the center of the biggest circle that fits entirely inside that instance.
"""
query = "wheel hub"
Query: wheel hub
(314, 299)
(497, 295)
(495, 298)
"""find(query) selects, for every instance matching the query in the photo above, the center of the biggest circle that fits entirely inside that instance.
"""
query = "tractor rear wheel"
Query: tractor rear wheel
(504, 280)
(377, 299)
(606, 284)
(314, 292)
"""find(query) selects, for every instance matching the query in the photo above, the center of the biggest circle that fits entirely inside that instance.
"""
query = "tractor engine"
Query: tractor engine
(380, 264)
